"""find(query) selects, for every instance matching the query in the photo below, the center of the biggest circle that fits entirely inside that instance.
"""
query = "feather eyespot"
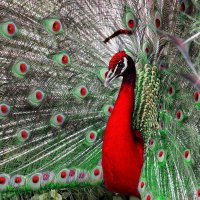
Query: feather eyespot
(20, 69)
(36, 97)
(8, 29)
(4, 181)
(23, 134)
(53, 26)
(158, 21)
(179, 115)
(80, 91)
(187, 155)
(62, 59)
(196, 96)
(91, 137)
(130, 20)
(4, 110)
(57, 120)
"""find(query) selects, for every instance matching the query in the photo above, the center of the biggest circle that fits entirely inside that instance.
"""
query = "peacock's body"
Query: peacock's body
(54, 106)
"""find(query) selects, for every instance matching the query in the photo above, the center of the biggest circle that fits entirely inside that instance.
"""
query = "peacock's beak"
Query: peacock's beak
(110, 77)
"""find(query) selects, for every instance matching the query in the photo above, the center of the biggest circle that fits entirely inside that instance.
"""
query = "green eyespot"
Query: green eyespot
(80, 91)
(96, 174)
(4, 181)
(102, 73)
(57, 120)
(187, 156)
(63, 176)
(158, 21)
(197, 100)
(53, 26)
(8, 29)
(107, 110)
(18, 181)
(62, 59)
(161, 156)
(90, 137)
(4, 110)
(130, 20)
(148, 48)
(35, 181)
(20, 69)
(36, 97)
(23, 134)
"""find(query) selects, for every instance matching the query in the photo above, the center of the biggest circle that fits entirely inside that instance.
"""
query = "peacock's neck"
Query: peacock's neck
(124, 105)
(122, 155)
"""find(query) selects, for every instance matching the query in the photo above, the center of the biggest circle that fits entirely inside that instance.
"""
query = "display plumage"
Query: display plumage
(54, 107)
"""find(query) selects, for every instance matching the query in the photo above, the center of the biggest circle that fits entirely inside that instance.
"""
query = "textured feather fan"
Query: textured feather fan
(54, 106)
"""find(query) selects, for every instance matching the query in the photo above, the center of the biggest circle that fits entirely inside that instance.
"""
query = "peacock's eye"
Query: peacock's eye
(158, 22)
(142, 186)
(18, 181)
(57, 120)
(23, 134)
(82, 176)
(96, 174)
(161, 156)
(36, 97)
(53, 26)
(62, 59)
(187, 155)
(120, 65)
(4, 181)
(185, 6)
(20, 69)
(90, 137)
(131, 21)
(63, 176)
(107, 109)
(8, 29)
(80, 91)
(35, 181)
(4, 110)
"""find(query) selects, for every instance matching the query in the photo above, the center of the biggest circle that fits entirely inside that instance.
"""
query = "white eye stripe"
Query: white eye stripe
(125, 64)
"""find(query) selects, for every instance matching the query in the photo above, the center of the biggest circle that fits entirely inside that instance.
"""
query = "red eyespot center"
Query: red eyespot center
(196, 96)
(56, 26)
(35, 179)
(148, 197)
(92, 136)
(59, 119)
(24, 134)
(23, 67)
(106, 74)
(39, 95)
(182, 8)
(4, 109)
(142, 184)
(160, 154)
(110, 109)
(82, 175)
(63, 174)
(18, 180)
(186, 154)
(198, 192)
(2, 180)
(64, 60)
(147, 50)
(96, 172)
(11, 29)
(83, 91)
(151, 142)
(170, 90)
(131, 23)
(178, 114)
(72, 172)
(157, 23)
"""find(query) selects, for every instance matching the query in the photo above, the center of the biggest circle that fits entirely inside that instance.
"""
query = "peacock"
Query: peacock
(98, 97)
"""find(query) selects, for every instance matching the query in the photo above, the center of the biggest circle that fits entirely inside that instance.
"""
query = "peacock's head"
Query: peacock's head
(118, 66)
